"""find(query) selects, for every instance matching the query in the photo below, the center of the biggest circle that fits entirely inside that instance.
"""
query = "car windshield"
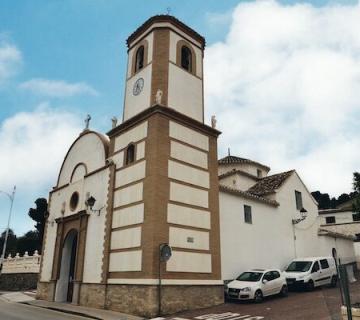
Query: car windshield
(299, 266)
(250, 276)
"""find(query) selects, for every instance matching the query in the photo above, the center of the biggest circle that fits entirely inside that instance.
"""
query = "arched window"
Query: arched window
(186, 58)
(139, 58)
(130, 154)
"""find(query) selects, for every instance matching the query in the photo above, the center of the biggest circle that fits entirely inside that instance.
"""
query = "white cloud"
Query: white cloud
(57, 88)
(10, 60)
(33, 146)
(285, 86)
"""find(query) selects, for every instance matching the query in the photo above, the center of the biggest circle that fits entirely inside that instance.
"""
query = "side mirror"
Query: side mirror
(264, 281)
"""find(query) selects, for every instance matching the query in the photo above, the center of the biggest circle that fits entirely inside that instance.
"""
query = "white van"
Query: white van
(311, 272)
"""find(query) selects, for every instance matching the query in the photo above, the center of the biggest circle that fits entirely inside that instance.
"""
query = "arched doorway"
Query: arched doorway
(65, 283)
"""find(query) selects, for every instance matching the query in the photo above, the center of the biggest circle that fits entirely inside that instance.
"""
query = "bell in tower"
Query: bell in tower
(165, 56)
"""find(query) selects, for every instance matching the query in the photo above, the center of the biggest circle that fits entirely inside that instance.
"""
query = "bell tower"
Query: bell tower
(165, 66)
(164, 188)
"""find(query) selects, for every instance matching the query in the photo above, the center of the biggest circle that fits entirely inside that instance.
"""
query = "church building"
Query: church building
(146, 220)
(150, 181)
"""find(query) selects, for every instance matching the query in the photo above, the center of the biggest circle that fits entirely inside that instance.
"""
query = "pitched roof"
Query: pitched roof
(247, 195)
(269, 184)
(240, 172)
(166, 18)
(234, 160)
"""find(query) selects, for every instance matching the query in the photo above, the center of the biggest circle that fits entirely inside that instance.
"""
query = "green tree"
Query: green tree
(39, 216)
(356, 187)
(11, 246)
(29, 242)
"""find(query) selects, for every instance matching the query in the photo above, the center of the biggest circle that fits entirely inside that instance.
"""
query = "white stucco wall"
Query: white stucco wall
(134, 104)
(188, 154)
(89, 149)
(189, 136)
(357, 253)
(185, 173)
(185, 92)
(189, 262)
(238, 181)
(131, 136)
(269, 241)
(246, 167)
(340, 217)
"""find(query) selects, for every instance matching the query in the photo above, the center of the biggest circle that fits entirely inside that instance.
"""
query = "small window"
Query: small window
(186, 58)
(247, 214)
(324, 264)
(130, 154)
(259, 173)
(330, 220)
(298, 199)
(275, 274)
(139, 58)
(356, 217)
(315, 267)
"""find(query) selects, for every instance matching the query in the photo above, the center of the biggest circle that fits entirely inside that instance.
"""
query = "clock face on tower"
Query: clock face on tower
(138, 86)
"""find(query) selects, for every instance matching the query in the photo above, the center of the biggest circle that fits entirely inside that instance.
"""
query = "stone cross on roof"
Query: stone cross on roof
(87, 122)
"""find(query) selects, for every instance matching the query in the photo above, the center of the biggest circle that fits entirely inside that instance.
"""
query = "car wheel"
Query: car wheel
(333, 281)
(258, 297)
(284, 291)
(310, 285)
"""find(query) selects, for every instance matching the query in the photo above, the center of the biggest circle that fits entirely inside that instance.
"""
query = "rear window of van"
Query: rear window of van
(324, 264)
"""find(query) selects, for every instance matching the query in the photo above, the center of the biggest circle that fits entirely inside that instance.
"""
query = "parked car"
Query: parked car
(311, 272)
(257, 284)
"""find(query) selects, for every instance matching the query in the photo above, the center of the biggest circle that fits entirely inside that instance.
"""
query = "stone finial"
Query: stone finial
(9, 256)
(26, 254)
(87, 122)
(36, 253)
(63, 206)
(158, 96)
(213, 122)
(114, 121)
(17, 255)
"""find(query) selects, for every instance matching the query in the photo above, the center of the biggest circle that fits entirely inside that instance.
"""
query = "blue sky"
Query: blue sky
(79, 47)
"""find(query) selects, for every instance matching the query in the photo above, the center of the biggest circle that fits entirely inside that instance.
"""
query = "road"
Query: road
(18, 311)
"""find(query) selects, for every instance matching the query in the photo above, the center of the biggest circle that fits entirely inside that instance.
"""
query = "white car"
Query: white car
(257, 284)
(311, 272)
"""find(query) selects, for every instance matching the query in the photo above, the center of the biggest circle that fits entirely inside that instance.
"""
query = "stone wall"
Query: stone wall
(24, 264)
(18, 281)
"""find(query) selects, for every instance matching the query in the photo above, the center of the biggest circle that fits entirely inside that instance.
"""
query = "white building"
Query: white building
(260, 219)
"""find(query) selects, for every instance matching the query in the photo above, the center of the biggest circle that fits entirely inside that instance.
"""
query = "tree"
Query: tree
(11, 246)
(356, 187)
(323, 199)
(39, 216)
(29, 242)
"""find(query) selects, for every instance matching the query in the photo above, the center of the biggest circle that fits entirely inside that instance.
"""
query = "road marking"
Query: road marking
(219, 316)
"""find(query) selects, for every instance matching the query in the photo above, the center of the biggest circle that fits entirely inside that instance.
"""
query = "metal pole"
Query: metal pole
(11, 197)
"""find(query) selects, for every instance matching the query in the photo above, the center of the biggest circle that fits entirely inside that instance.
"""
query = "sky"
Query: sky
(282, 78)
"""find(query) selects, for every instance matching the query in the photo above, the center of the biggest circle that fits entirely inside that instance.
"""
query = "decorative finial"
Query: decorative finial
(213, 122)
(87, 122)
(229, 152)
(114, 121)
(158, 96)
(168, 9)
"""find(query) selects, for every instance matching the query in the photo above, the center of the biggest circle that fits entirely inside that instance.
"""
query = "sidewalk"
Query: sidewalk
(91, 313)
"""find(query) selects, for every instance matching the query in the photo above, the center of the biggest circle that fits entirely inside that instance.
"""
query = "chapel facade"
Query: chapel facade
(151, 180)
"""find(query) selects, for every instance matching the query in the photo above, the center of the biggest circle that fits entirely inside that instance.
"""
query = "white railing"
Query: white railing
(24, 264)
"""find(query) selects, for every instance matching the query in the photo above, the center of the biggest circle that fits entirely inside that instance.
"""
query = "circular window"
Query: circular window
(74, 200)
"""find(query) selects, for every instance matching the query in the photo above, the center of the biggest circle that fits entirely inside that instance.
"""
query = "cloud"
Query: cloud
(33, 145)
(285, 86)
(57, 88)
(10, 60)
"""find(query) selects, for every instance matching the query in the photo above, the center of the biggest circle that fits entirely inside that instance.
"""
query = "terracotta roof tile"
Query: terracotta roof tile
(234, 160)
(269, 184)
(166, 18)
(248, 195)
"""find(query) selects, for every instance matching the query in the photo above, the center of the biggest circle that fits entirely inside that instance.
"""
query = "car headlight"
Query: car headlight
(247, 289)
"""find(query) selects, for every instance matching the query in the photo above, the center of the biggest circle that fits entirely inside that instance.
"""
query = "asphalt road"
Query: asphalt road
(18, 311)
